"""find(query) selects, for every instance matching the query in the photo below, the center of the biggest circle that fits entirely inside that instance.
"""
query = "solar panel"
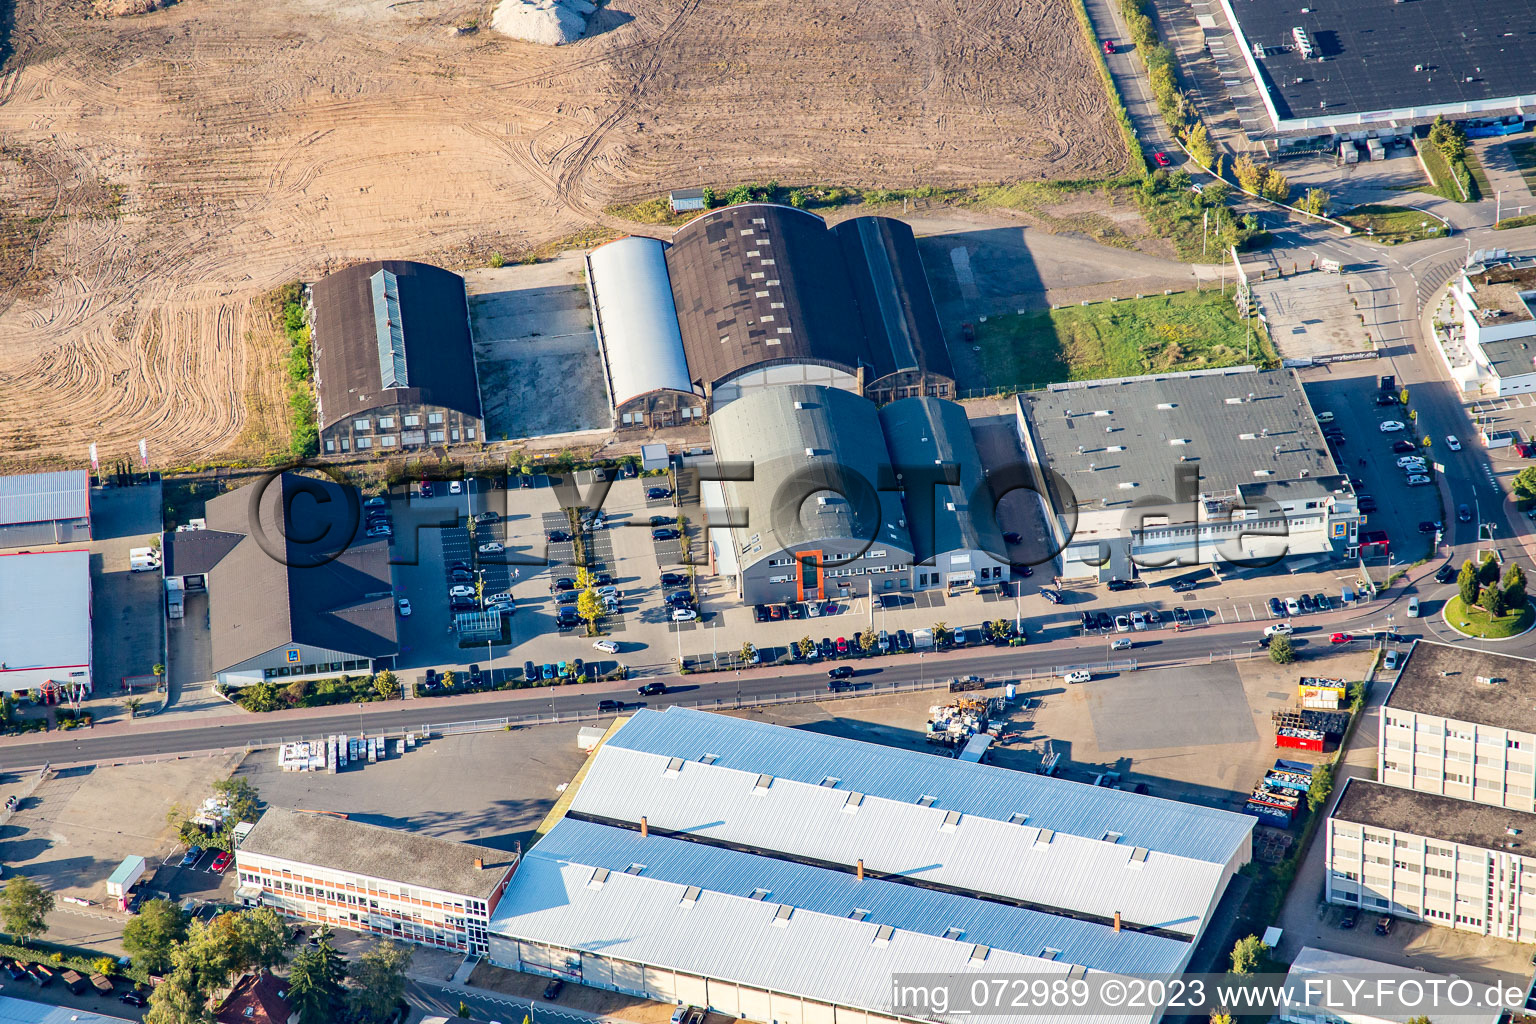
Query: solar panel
(391, 332)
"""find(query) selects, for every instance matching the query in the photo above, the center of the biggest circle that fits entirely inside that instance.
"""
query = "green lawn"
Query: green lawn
(1184, 331)
(1475, 621)
(1391, 225)
(1479, 176)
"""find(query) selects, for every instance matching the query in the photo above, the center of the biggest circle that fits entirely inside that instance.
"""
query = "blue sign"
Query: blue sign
(292, 654)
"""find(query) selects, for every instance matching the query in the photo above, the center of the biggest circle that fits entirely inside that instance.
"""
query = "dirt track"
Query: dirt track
(159, 172)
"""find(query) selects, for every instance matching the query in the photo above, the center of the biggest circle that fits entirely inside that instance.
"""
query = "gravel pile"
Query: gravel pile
(549, 22)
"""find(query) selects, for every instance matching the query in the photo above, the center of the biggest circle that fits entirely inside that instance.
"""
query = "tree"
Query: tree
(464, 1009)
(867, 641)
(1466, 583)
(1525, 483)
(244, 805)
(1216, 193)
(387, 685)
(1276, 186)
(1001, 628)
(1316, 201)
(448, 679)
(24, 908)
(380, 981)
(1220, 1018)
(1198, 141)
(940, 633)
(263, 939)
(152, 935)
(1493, 601)
(132, 704)
(1514, 586)
(1488, 572)
(1249, 175)
(1248, 954)
(1280, 650)
(591, 607)
(807, 645)
(1321, 788)
(314, 981)
(179, 999)
(748, 652)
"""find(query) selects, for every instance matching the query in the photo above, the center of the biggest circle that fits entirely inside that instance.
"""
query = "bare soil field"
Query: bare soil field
(160, 172)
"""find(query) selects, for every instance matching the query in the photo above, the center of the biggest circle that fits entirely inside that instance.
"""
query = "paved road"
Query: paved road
(1130, 82)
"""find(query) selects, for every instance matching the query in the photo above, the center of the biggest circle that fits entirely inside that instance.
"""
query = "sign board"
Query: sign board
(291, 655)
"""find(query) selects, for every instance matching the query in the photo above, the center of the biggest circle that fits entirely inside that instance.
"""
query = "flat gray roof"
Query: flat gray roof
(393, 854)
(926, 432)
(1364, 802)
(1121, 441)
(45, 611)
(1445, 680)
(44, 497)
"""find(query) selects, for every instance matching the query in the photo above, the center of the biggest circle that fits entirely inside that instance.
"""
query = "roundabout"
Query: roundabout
(1478, 624)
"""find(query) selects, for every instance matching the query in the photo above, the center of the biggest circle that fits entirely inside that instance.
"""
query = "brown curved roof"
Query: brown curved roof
(438, 354)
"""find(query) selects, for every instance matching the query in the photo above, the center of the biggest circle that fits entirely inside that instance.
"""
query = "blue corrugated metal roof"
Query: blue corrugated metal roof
(25, 1011)
(905, 907)
(1184, 830)
(44, 497)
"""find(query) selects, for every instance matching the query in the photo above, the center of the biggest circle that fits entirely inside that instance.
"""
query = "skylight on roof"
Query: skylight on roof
(674, 766)
(709, 758)
(389, 330)
(634, 869)
(883, 935)
(690, 896)
(851, 805)
(763, 782)
(782, 915)
(758, 894)
(926, 801)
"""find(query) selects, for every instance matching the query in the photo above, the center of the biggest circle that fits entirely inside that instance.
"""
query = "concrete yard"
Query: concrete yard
(540, 372)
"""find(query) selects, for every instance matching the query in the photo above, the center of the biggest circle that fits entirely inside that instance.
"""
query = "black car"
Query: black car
(1400, 446)
(568, 617)
(826, 648)
(1053, 596)
(1464, 513)
(759, 612)
(1445, 574)
(552, 990)
(134, 997)
(459, 565)
(558, 536)
(652, 689)
(463, 604)
(683, 599)
(657, 493)
(567, 597)
(1334, 439)
(1119, 584)
(1428, 526)
(1276, 608)
(1180, 615)
(461, 576)
(529, 672)
(487, 517)
(1025, 570)
(1322, 602)
(1366, 503)
(563, 583)
(1105, 621)
(1386, 399)
(1180, 586)
(1012, 538)
(674, 579)
(666, 533)
(903, 640)
(578, 668)
(662, 520)
(1383, 925)
(475, 677)
(1350, 918)
(840, 672)
(1087, 620)
(1306, 604)
(603, 579)
(15, 970)
(609, 705)
(797, 611)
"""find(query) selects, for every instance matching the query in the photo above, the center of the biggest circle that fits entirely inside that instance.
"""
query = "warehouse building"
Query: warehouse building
(1312, 1006)
(1358, 63)
(1461, 723)
(822, 494)
(386, 882)
(760, 295)
(1430, 858)
(645, 369)
(1496, 297)
(394, 362)
(45, 623)
(1211, 466)
(38, 509)
(780, 875)
(295, 591)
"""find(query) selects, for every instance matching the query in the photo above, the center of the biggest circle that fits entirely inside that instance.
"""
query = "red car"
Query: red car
(221, 862)
(1161, 159)
(842, 645)
(1109, 46)
(1340, 638)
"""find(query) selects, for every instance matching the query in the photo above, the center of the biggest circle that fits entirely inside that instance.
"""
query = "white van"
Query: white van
(1325, 417)
(1413, 607)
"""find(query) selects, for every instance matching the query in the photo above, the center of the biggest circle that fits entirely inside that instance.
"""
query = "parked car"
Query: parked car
(1417, 480)
(1275, 607)
(493, 548)
(1322, 602)
(1429, 526)
(1180, 586)
(1391, 426)
(548, 671)
(1104, 622)
(1384, 925)
(133, 997)
(1053, 596)
(403, 606)
(1138, 621)
(557, 536)
(658, 493)
(684, 614)
(1409, 461)
(552, 990)
(1180, 615)
(461, 590)
(674, 579)
(606, 646)
(1340, 638)
(1400, 446)
(1012, 538)
(190, 857)
(377, 501)
(1413, 607)
(842, 645)
(1453, 442)
(1080, 675)
(605, 706)
(488, 517)
(426, 489)
(1366, 503)
(530, 671)
(1386, 398)
(652, 689)
(1292, 607)
(1278, 629)
(1390, 661)
(1088, 621)
(903, 640)
(221, 862)
(1351, 915)
(665, 533)
(662, 520)
(1116, 585)
(1122, 624)
(760, 613)
(1307, 607)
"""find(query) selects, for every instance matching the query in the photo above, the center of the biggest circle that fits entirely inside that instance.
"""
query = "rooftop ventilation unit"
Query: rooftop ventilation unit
(1167, 405)
(1303, 43)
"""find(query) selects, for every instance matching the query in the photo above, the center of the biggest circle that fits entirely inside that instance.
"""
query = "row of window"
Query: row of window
(309, 670)
(391, 441)
(388, 422)
(269, 877)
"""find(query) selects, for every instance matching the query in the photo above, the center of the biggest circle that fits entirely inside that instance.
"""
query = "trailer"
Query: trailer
(74, 981)
(922, 639)
(124, 878)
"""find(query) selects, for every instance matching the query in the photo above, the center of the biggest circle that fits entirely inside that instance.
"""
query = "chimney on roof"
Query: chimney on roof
(1117, 920)
(861, 869)
(645, 827)
(479, 864)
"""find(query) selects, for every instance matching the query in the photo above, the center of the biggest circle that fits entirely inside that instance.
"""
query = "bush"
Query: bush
(1280, 650)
